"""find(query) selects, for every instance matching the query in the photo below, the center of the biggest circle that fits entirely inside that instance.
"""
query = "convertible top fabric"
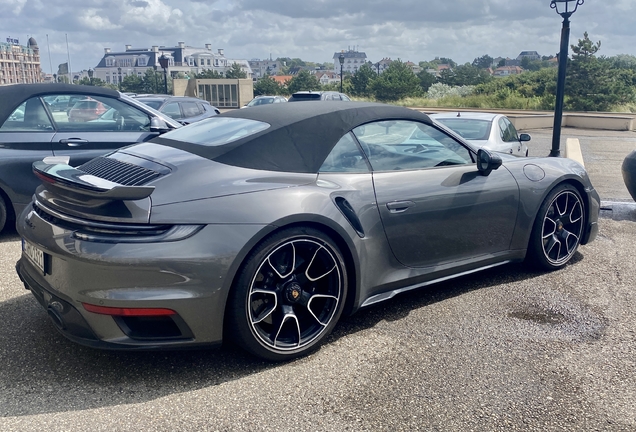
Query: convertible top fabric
(300, 136)
(12, 96)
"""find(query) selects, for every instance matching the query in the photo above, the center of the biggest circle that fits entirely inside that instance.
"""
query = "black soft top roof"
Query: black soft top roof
(11, 96)
(300, 135)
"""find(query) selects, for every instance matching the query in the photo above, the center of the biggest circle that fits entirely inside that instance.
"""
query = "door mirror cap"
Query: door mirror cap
(524, 137)
(158, 125)
(487, 161)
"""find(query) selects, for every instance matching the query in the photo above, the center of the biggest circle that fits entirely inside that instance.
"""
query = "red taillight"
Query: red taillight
(115, 311)
(43, 177)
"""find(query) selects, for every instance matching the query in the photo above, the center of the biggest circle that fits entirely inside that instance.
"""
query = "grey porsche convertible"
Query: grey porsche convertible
(264, 226)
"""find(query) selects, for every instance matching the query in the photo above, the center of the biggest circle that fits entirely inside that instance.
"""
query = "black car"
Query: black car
(183, 109)
(318, 96)
(35, 123)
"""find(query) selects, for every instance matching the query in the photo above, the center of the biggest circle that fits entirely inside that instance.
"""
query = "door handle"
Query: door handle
(399, 206)
(73, 142)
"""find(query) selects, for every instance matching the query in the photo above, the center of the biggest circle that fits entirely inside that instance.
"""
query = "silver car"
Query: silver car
(488, 130)
(264, 226)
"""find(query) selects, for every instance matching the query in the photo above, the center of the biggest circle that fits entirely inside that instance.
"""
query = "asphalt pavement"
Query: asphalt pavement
(505, 349)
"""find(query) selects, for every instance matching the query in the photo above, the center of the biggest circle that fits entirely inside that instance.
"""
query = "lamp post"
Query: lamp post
(54, 78)
(565, 8)
(163, 61)
(378, 66)
(119, 82)
(156, 89)
(90, 76)
(341, 59)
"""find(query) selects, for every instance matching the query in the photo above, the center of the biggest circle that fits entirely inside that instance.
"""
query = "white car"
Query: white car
(492, 131)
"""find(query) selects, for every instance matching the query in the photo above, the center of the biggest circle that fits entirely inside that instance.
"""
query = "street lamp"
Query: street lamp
(163, 61)
(565, 8)
(90, 76)
(119, 82)
(378, 66)
(155, 74)
(341, 59)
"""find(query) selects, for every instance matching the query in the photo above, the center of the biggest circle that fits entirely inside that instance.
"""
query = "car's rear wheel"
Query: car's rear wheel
(289, 295)
(558, 228)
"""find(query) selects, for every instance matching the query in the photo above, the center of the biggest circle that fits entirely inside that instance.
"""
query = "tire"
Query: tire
(288, 295)
(3, 214)
(558, 228)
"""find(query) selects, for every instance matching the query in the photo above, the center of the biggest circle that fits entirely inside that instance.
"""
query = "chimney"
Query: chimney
(220, 51)
(155, 48)
(208, 47)
(181, 44)
(106, 50)
(128, 47)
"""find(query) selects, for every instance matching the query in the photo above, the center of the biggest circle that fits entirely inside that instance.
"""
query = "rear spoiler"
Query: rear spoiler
(66, 177)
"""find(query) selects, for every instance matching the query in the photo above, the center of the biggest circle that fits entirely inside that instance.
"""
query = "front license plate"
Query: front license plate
(35, 255)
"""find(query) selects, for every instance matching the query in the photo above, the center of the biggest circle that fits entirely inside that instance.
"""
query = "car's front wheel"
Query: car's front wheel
(558, 228)
(289, 295)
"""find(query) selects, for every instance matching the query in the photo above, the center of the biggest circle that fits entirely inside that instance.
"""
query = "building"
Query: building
(260, 68)
(530, 55)
(327, 77)
(352, 61)
(115, 66)
(507, 70)
(18, 63)
(382, 65)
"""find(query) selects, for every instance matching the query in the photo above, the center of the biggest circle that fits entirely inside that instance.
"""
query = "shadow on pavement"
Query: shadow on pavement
(42, 372)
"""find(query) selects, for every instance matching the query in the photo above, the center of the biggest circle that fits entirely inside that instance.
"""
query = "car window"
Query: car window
(216, 131)
(405, 145)
(471, 129)
(511, 132)
(100, 114)
(190, 109)
(344, 97)
(172, 110)
(31, 116)
(505, 132)
(345, 157)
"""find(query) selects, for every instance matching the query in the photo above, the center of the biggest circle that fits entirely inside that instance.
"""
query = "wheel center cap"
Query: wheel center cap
(293, 292)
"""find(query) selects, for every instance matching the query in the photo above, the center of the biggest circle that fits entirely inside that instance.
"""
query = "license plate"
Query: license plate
(35, 255)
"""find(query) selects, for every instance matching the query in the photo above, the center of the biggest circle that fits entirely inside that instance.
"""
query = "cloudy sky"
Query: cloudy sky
(313, 30)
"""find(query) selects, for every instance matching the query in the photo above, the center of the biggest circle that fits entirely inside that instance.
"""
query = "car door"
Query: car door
(25, 137)
(120, 125)
(509, 137)
(435, 206)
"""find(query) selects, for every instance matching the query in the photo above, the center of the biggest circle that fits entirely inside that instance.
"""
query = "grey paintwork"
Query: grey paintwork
(492, 216)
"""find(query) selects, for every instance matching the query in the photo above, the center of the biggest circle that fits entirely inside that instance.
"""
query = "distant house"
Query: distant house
(382, 65)
(530, 55)
(507, 70)
(282, 79)
(260, 68)
(414, 67)
(352, 61)
(327, 77)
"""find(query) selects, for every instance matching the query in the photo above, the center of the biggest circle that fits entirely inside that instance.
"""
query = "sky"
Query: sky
(411, 30)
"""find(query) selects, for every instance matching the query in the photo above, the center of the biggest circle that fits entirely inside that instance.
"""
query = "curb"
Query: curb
(573, 150)
(618, 210)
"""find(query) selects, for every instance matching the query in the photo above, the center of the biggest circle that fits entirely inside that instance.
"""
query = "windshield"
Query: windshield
(470, 129)
(217, 131)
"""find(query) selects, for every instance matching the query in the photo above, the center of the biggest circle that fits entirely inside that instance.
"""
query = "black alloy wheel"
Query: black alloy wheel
(557, 231)
(289, 295)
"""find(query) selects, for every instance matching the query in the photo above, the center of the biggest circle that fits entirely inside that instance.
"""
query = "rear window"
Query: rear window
(152, 103)
(304, 97)
(470, 129)
(217, 131)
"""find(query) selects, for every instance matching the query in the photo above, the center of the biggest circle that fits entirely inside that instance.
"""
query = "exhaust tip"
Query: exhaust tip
(55, 317)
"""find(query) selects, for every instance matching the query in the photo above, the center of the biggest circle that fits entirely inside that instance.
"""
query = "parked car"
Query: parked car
(265, 100)
(264, 227)
(31, 130)
(183, 109)
(86, 110)
(492, 131)
(318, 96)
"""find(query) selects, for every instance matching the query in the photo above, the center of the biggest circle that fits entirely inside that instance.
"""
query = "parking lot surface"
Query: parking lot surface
(505, 349)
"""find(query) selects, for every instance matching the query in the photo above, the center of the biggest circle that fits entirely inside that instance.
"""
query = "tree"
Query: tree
(483, 62)
(209, 74)
(463, 75)
(236, 72)
(267, 86)
(426, 79)
(592, 84)
(361, 79)
(132, 83)
(445, 60)
(396, 82)
(304, 81)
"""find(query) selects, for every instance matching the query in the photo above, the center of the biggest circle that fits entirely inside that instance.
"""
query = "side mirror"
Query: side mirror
(158, 125)
(524, 137)
(487, 161)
